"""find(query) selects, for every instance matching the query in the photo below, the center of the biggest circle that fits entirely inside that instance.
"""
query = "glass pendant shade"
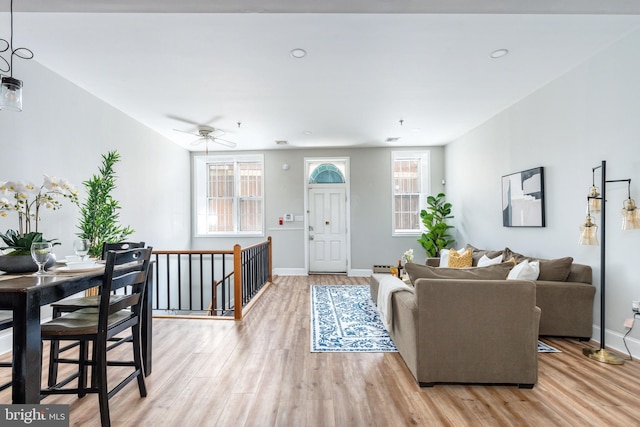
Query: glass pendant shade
(588, 233)
(630, 215)
(594, 204)
(11, 94)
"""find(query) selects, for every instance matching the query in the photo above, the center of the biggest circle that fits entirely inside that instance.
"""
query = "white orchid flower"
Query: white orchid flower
(51, 182)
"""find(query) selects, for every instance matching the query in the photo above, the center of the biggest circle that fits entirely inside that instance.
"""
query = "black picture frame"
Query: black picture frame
(523, 199)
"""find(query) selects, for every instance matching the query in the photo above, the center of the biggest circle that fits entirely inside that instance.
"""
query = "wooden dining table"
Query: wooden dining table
(25, 295)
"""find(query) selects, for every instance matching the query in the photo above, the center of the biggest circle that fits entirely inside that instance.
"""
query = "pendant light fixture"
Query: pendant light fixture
(588, 232)
(630, 212)
(11, 88)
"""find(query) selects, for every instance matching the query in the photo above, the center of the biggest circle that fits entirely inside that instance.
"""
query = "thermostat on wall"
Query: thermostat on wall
(288, 217)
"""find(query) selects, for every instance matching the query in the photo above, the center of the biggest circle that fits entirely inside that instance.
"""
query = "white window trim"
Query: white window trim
(425, 164)
(200, 163)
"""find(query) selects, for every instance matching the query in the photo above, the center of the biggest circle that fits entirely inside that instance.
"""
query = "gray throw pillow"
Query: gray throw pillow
(476, 254)
(554, 270)
(492, 272)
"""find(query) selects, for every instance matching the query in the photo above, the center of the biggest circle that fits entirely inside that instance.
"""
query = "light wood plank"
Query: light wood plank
(260, 372)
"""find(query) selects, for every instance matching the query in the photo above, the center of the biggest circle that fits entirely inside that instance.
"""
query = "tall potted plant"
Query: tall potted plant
(437, 236)
(99, 214)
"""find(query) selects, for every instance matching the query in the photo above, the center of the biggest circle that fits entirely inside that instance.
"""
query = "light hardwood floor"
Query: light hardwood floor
(260, 373)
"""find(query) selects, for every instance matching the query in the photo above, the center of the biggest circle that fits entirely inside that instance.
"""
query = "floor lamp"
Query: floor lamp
(596, 203)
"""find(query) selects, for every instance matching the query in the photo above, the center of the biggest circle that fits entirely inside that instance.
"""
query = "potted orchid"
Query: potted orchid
(28, 201)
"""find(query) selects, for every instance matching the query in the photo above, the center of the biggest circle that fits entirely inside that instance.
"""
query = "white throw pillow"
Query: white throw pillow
(444, 257)
(486, 261)
(525, 271)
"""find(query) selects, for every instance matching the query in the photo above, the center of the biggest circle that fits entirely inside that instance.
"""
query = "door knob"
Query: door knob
(326, 223)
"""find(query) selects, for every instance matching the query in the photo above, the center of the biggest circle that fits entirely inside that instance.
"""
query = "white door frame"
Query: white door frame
(347, 178)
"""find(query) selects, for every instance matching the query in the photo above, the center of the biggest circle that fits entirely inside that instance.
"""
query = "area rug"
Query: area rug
(546, 348)
(345, 319)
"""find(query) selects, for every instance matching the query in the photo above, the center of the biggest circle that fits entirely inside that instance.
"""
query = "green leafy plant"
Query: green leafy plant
(99, 221)
(437, 236)
(20, 244)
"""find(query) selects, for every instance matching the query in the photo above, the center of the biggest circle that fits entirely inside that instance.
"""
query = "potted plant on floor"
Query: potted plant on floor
(434, 218)
(27, 201)
(99, 214)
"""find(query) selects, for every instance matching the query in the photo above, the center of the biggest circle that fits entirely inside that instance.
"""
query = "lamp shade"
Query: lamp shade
(630, 215)
(588, 233)
(594, 202)
(11, 94)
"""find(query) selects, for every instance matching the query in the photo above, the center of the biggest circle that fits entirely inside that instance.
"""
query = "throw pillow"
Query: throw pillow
(444, 257)
(492, 272)
(479, 253)
(460, 259)
(485, 261)
(525, 270)
(508, 253)
(556, 270)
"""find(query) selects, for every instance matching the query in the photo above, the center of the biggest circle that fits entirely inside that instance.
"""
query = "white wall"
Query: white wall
(371, 239)
(569, 126)
(64, 130)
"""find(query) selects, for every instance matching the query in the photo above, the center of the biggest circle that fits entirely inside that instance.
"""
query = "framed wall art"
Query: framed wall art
(523, 199)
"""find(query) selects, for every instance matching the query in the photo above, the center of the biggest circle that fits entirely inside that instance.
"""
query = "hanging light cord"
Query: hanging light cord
(21, 52)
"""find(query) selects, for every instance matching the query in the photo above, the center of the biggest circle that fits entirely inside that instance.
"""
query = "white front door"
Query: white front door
(328, 229)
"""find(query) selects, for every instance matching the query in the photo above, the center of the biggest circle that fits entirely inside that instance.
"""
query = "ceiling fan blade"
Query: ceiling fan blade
(198, 141)
(224, 142)
(189, 133)
(182, 119)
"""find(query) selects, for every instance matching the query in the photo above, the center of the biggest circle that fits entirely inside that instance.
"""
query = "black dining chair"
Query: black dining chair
(6, 322)
(96, 326)
(73, 304)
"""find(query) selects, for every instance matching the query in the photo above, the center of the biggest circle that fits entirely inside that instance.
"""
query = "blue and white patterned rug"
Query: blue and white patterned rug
(546, 348)
(345, 319)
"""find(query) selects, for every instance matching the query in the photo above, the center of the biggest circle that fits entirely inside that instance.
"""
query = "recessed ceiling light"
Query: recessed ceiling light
(281, 142)
(307, 132)
(298, 53)
(499, 53)
(393, 139)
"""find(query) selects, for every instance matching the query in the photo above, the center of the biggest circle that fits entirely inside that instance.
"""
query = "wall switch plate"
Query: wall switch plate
(628, 323)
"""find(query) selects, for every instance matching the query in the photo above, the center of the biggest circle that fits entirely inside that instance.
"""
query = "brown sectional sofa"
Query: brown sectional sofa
(462, 331)
(483, 329)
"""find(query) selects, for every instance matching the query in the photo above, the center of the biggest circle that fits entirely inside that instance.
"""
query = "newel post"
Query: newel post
(237, 282)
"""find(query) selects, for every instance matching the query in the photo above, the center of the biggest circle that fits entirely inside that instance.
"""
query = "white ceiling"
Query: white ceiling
(364, 71)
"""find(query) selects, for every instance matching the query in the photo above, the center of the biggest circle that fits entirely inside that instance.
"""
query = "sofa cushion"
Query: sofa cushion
(485, 261)
(508, 253)
(444, 257)
(525, 270)
(478, 253)
(556, 270)
(553, 270)
(492, 272)
(460, 259)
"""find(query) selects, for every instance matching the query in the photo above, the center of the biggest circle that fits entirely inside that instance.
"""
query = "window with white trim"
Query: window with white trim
(410, 184)
(229, 195)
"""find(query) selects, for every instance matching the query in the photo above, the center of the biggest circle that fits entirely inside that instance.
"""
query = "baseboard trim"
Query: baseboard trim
(289, 272)
(614, 340)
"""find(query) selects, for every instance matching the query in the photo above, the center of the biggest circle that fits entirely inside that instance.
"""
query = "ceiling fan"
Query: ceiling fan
(206, 134)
